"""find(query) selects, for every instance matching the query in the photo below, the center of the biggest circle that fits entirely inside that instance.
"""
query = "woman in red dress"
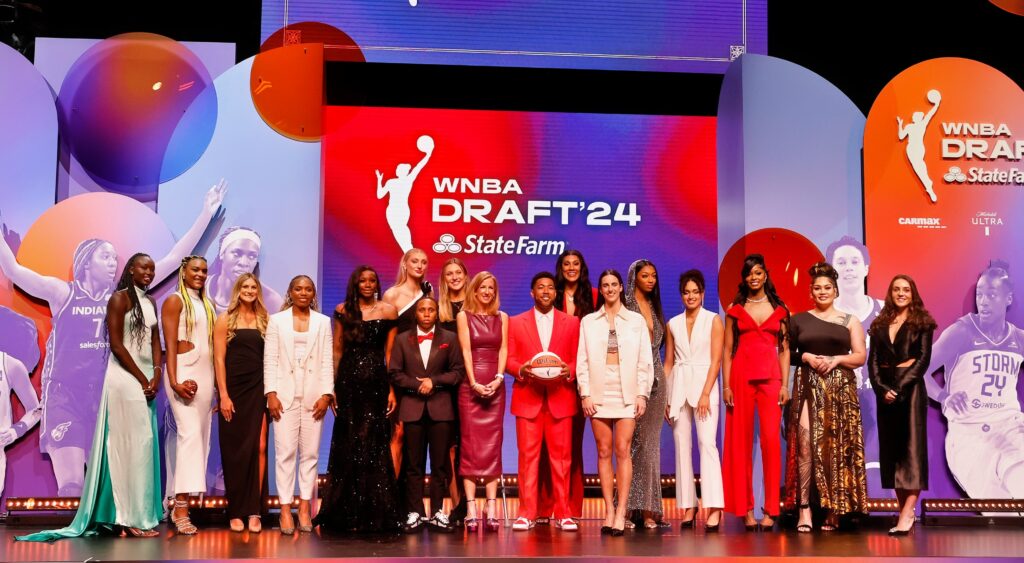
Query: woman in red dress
(755, 374)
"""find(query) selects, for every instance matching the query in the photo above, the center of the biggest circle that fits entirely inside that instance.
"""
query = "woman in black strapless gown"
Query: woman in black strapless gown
(362, 492)
(238, 364)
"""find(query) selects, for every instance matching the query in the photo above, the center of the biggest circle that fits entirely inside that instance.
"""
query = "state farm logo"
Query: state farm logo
(922, 222)
(447, 244)
(955, 175)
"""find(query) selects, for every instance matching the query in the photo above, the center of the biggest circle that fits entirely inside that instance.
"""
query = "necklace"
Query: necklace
(369, 310)
(761, 300)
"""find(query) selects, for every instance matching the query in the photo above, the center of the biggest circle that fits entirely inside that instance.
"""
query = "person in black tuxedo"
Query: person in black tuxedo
(426, 363)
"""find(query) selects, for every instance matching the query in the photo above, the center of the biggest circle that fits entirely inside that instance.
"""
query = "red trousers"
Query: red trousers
(547, 500)
(737, 462)
(534, 435)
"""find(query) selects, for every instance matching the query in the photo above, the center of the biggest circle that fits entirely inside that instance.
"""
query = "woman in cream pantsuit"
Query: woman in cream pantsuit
(614, 373)
(693, 357)
(298, 380)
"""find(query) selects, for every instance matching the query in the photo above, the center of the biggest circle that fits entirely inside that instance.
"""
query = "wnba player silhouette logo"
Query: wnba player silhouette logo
(399, 188)
(913, 132)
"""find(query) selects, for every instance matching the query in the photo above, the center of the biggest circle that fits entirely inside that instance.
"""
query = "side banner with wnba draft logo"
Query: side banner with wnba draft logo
(944, 203)
(508, 192)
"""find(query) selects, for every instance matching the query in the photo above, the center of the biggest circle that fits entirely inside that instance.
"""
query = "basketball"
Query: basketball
(546, 366)
(933, 96)
(425, 143)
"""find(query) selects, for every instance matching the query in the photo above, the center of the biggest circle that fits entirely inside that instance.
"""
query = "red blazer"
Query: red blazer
(523, 344)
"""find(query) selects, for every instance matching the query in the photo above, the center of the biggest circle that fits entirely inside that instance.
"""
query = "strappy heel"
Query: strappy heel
(184, 523)
(255, 524)
(472, 523)
(492, 524)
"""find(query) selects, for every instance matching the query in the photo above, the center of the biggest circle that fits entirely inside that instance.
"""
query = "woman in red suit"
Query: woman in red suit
(755, 375)
(483, 337)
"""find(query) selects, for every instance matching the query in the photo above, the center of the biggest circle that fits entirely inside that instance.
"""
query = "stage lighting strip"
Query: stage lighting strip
(972, 505)
(58, 504)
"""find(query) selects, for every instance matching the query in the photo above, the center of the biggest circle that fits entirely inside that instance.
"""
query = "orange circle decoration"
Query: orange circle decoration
(49, 244)
(787, 255)
(287, 86)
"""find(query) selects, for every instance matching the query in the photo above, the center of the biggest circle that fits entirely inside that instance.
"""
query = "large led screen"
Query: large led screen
(651, 35)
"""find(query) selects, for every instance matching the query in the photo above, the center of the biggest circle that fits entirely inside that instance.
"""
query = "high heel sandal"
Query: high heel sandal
(183, 524)
(239, 528)
(492, 524)
(804, 528)
(137, 533)
(255, 524)
(472, 523)
(830, 524)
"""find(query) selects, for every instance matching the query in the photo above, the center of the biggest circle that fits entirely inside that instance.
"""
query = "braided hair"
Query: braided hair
(137, 328)
(186, 301)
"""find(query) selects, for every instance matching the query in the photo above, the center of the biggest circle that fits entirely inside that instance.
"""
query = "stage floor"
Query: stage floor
(218, 544)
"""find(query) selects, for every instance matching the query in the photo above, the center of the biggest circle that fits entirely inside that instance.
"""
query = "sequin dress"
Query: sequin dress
(362, 492)
(645, 490)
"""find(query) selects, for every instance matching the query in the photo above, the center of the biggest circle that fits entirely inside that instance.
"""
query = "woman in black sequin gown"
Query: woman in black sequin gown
(362, 495)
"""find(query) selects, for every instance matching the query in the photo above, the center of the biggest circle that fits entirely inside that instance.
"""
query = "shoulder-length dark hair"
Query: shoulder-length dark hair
(743, 292)
(583, 296)
(918, 318)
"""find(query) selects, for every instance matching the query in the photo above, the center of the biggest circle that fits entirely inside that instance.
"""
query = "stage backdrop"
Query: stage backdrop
(507, 192)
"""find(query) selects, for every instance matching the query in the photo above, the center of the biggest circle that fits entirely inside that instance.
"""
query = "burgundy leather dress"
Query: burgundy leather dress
(481, 420)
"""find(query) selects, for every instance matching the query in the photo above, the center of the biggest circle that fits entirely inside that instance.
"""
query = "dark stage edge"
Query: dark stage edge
(960, 543)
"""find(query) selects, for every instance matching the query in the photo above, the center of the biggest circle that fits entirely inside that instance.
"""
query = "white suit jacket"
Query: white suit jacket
(636, 359)
(692, 361)
(279, 362)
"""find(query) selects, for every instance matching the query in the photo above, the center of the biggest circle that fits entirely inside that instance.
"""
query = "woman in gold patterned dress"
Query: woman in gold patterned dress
(825, 458)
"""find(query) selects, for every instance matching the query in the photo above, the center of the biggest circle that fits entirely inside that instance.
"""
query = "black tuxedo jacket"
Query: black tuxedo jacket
(885, 355)
(445, 368)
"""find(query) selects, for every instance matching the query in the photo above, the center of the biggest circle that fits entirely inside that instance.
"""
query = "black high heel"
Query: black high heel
(896, 533)
(766, 527)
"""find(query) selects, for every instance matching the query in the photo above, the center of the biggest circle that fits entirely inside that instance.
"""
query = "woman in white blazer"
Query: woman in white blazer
(693, 356)
(298, 381)
(614, 373)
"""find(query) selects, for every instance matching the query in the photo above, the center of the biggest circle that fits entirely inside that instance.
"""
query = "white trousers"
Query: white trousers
(712, 494)
(192, 422)
(296, 439)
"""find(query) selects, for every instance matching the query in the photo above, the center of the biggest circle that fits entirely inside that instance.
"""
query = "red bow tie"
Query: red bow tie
(423, 337)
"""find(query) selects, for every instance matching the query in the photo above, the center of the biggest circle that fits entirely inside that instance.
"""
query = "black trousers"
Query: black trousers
(420, 436)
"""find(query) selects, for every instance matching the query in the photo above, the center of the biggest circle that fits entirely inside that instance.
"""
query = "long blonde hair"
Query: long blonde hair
(444, 301)
(186, 302)
(402, 273)
(235, 306)
(472, 305)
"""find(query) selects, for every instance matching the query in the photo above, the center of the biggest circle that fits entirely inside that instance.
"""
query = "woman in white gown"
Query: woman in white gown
(122, 484)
